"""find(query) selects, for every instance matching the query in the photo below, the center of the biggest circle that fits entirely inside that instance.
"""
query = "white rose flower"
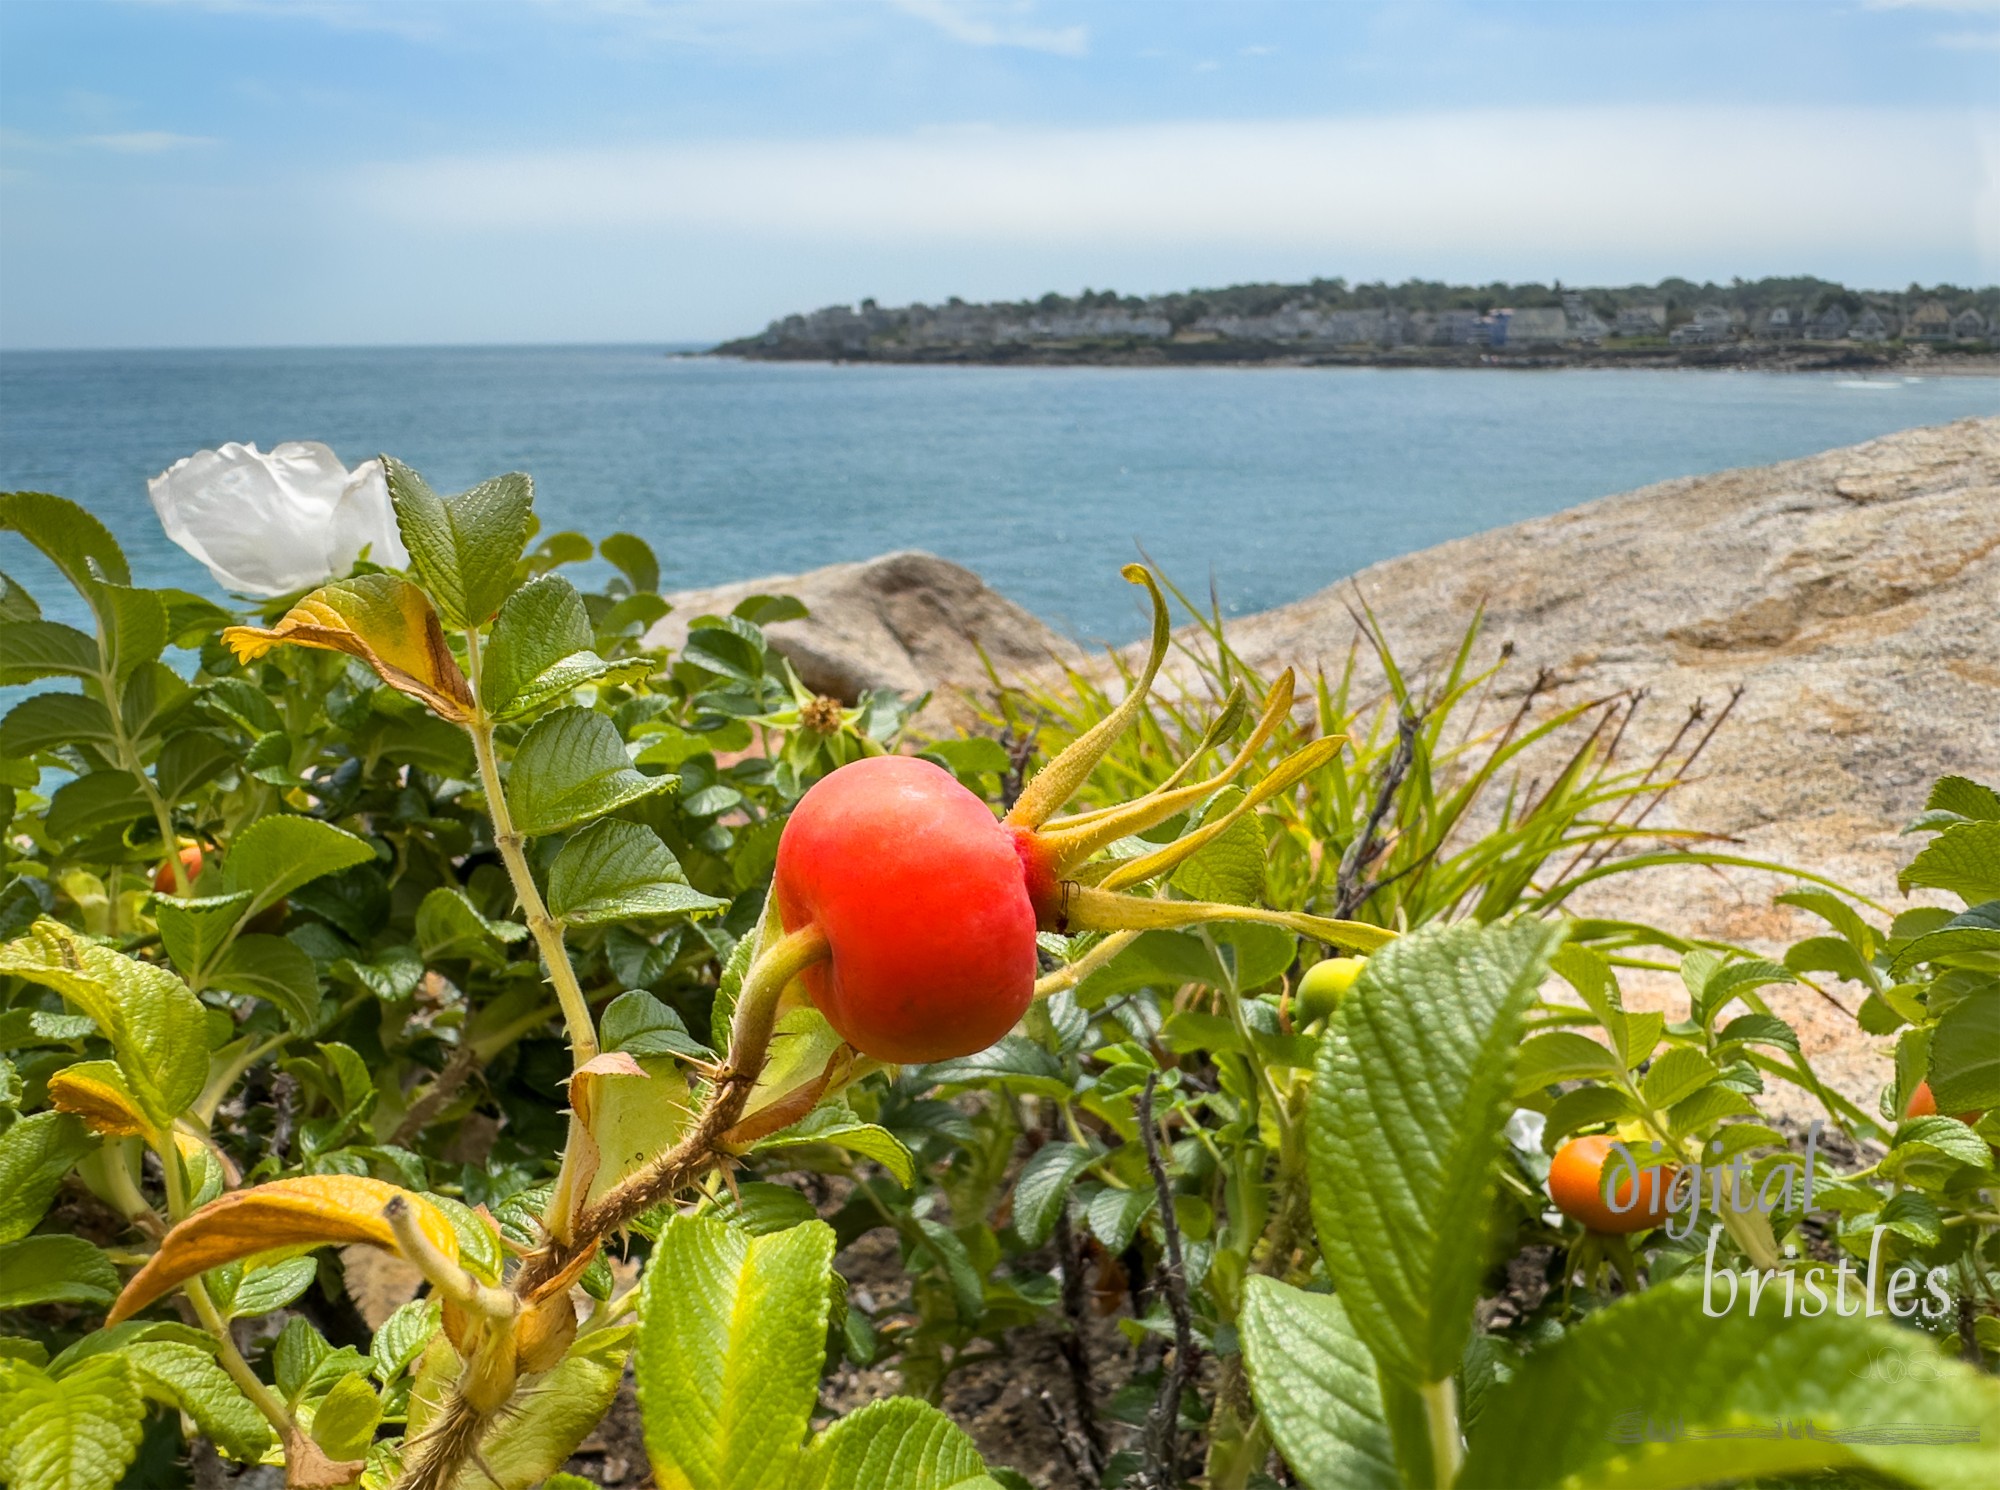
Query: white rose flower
(271, 523)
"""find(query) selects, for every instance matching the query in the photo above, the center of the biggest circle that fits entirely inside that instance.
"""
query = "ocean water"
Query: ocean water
(1269, 482)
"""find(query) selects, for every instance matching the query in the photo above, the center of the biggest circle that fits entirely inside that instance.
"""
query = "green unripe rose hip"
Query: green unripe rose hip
(1325, 985)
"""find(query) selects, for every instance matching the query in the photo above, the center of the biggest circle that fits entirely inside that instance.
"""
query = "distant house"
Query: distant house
(1711, 323)
(1871, 325)
(1540, 327)
(1779, 325)
(1640, 320)
(1831, 324)
(1458, 328)
(1929, 322)
(1968, 325)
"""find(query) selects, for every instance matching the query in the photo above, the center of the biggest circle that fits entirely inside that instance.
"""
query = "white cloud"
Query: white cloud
(1959, 6)
(143, 141)
(1756, 187)
(991, 25)
(1969, 41)
(341, 15)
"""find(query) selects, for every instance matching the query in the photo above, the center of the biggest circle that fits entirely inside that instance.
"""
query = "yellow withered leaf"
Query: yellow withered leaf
(96, 1092)
(385, 621)
(311, 1211)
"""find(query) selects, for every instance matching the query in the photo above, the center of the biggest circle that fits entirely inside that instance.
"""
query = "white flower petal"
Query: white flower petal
(261, 522)
(363, 518)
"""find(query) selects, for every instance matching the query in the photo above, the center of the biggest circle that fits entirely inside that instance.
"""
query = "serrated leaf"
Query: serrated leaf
(1964, 1070)
(35, 1154)
(834, 1124)
(103, 799)
(1402, 1151)
(32, 650)
(1314, 1382)
(276, 855)
(1561, 1055)
(1586, 1107)
(449, 926)
(541, 650)
(344, 1422)
(1156, 959)
(615, 871)
(1963, 860)
(631, 1118)
(187, 1377)
(77, 1432)
(1114, 1215)
(74, 540)
(1962, 798)
(897, 1444)
(1969, 939)
(464, 547)
(158, 1030)
(54, 1270)
(263, 1290)
(276, 971)
(194, 929)
(639, 1024)
(384, 621)
(1577, 1413)
(1678, 1073)
(188, 762)
(1946, 1135)
(1230, 867)
(571, 767)
(1043, 1188)
(47, 720)
(308, 1211)
(732, 1332)
(1760, 1029)
(1014, 1063)
(1707, 1105)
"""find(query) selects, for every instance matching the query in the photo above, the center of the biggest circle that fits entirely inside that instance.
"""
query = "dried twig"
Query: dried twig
(1162, 1447)
(464, 1060)
(1073, 1347)
(1349, 889)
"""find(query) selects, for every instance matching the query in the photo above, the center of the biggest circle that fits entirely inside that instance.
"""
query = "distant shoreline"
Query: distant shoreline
(1741, 357)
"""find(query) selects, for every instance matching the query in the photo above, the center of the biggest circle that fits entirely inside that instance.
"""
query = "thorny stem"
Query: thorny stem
(1349, 888)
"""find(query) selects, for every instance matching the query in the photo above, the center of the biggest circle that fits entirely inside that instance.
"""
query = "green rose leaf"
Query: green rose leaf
(185, 1376)
(275, 855)
(276, 971)
(103, 799)
(898, 1442)
(1965, 1054)
(157, 1028)
(1314, 1382)
(464, 547)
(50, 719)
(74, 1432)
(55, 1270)
(613, 871)
(195, 929)
(835, 1124)
(1625, 1399)
(1043, 1188)
(1402, 1150)
(35, 1154)
(634, 558)
(450, 926)
(30, 650)
(732, 1333)
(75, 542)
(571, 767)
(541, 649)
(1963, 860)
(640, 1025)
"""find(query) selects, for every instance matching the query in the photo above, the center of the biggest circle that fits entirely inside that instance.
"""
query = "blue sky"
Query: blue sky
(256, 172)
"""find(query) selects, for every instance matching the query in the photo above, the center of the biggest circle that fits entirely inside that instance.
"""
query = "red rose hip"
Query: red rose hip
(922, 897)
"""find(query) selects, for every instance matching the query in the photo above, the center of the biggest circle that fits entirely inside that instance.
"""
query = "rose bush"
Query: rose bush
(476, 967)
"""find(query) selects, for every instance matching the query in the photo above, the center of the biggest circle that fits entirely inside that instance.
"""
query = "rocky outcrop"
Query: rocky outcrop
(1852, 597)
(910, 622)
